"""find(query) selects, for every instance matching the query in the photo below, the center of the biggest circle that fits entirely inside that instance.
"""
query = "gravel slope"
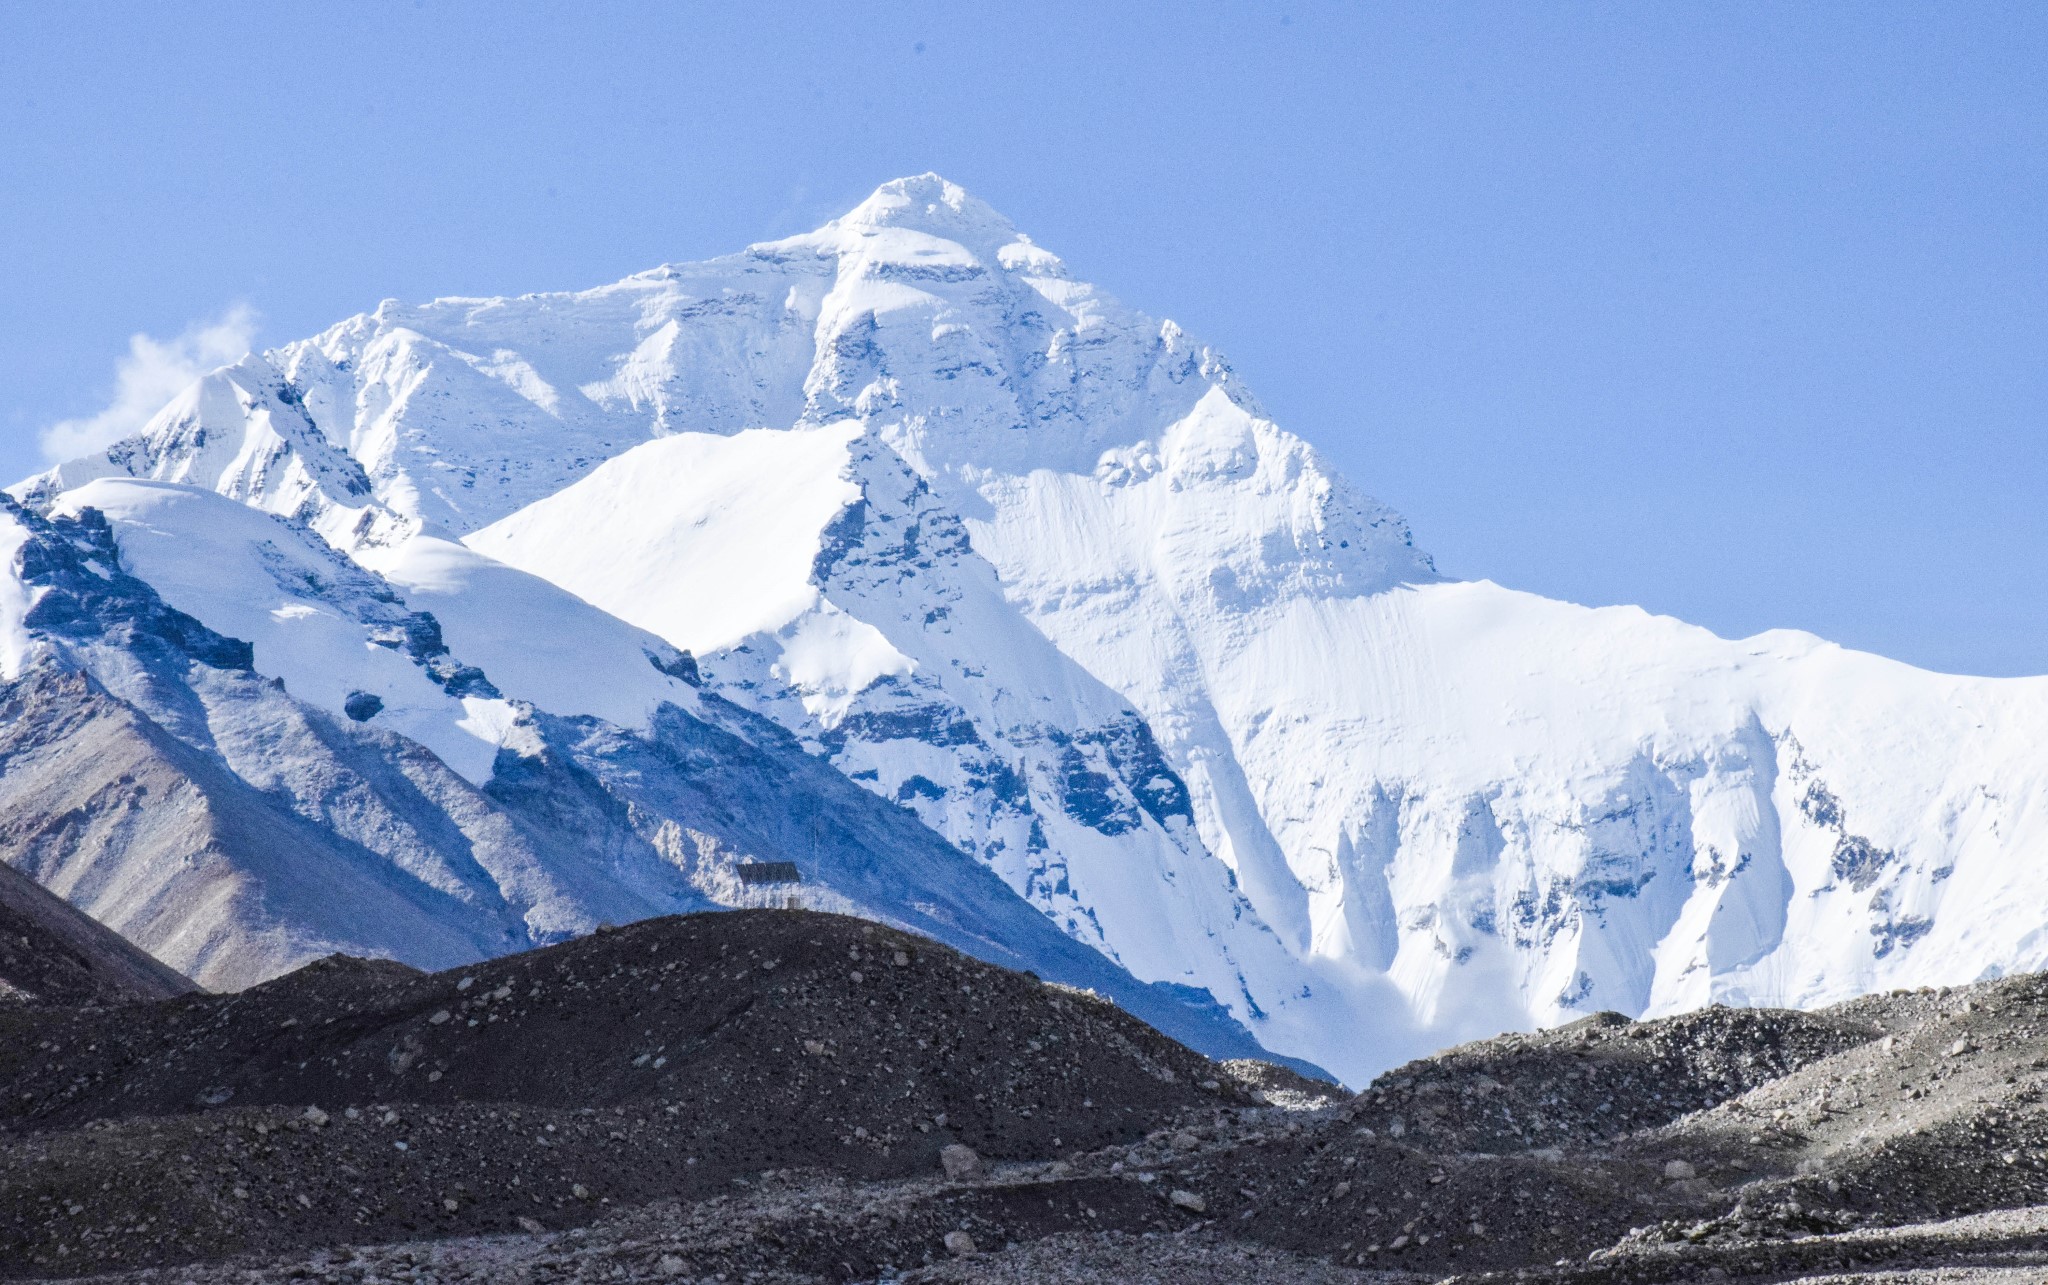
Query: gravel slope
(659, 1103)
(358, 1101)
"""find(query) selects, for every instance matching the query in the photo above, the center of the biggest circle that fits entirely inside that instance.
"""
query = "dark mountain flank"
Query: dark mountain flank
(52, 954)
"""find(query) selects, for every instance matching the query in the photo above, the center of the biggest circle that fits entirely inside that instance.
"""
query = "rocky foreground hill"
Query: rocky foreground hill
(796, 1097)
(50, 953)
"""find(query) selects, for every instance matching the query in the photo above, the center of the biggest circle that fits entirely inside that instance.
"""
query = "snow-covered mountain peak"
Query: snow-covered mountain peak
(922, 313)
(1037, 568)
(930, 204)
(915, 230)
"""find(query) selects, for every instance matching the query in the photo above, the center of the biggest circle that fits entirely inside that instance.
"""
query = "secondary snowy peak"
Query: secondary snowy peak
(878, 635)
(240, 806)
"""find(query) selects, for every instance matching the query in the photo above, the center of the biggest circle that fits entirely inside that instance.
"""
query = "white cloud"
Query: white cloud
(153, 372)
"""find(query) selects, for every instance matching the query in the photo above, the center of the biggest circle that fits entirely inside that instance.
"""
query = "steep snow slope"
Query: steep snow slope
(1038, 568)
(875, 629)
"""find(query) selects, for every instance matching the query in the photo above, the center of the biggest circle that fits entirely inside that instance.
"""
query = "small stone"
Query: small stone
(901, 960)
(959, 1161)
(1398, 1242)
(1679, 1171)
(450, 1205)
(670, 1265)
(1959, 1048)
(465, 983)
(531, 1226)
(959, 1244)
(856, 976)
(1187, 1200)
(1186, 1140)
(439, 1017)
(316, 1117)
(1340, 1191)
(580, 1191)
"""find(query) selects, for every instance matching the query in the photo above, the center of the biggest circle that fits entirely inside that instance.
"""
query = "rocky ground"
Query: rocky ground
(784, 1097)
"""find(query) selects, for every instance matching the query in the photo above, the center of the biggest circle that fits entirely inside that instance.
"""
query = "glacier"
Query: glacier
(1038, 571)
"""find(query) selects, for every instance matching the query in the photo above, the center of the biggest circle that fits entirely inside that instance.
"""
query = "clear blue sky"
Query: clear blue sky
(1732, 310)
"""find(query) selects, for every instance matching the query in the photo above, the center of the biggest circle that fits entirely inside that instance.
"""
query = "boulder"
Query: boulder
(960, 1161)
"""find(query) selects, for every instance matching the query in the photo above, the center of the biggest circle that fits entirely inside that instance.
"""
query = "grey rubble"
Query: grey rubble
(1898, 1137)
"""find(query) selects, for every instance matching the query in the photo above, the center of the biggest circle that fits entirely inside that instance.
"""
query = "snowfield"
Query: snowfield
(1040, 570)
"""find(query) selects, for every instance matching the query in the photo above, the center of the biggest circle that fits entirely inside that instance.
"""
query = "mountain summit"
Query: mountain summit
(1037, 571)
(931, 205)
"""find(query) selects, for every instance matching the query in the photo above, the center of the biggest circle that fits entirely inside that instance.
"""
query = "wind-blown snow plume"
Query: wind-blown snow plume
(152, 372)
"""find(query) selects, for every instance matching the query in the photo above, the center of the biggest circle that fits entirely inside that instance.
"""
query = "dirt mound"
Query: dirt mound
(1661, 1150)
(766, 1096)
(51, 953)
(359, 1101)
(1599, 1079)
